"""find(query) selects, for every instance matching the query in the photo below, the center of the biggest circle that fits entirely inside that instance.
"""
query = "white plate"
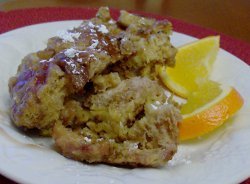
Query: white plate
(223, 157)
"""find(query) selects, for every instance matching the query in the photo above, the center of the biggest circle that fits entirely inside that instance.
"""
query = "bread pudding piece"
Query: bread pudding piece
(94, 88)
(100, 48)
(47, 78)
(145, 45)
(31, 97)
(131, 124)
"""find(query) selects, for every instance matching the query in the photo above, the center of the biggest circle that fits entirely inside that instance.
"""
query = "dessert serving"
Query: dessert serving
(113, 100)
(95, 90)
(101, 91)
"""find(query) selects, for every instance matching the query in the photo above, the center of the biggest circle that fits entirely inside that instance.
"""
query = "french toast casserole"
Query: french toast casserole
(95, 90)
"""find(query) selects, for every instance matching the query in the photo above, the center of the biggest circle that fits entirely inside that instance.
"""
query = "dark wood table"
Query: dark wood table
(227, 16)
(230, 17)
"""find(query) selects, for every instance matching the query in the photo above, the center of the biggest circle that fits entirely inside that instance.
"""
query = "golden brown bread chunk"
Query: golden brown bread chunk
(31, 97)
(94, 88)
(145, 44)
(64, 67)
(131, 124)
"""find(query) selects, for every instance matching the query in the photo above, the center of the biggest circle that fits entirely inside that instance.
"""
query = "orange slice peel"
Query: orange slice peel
(210, 116)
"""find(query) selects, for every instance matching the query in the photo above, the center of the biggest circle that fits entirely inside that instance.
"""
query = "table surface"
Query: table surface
(226, 16)
(230, 17)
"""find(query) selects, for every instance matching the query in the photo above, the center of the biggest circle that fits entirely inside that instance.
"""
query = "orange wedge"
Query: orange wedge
(198, 121)
(194, 62)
